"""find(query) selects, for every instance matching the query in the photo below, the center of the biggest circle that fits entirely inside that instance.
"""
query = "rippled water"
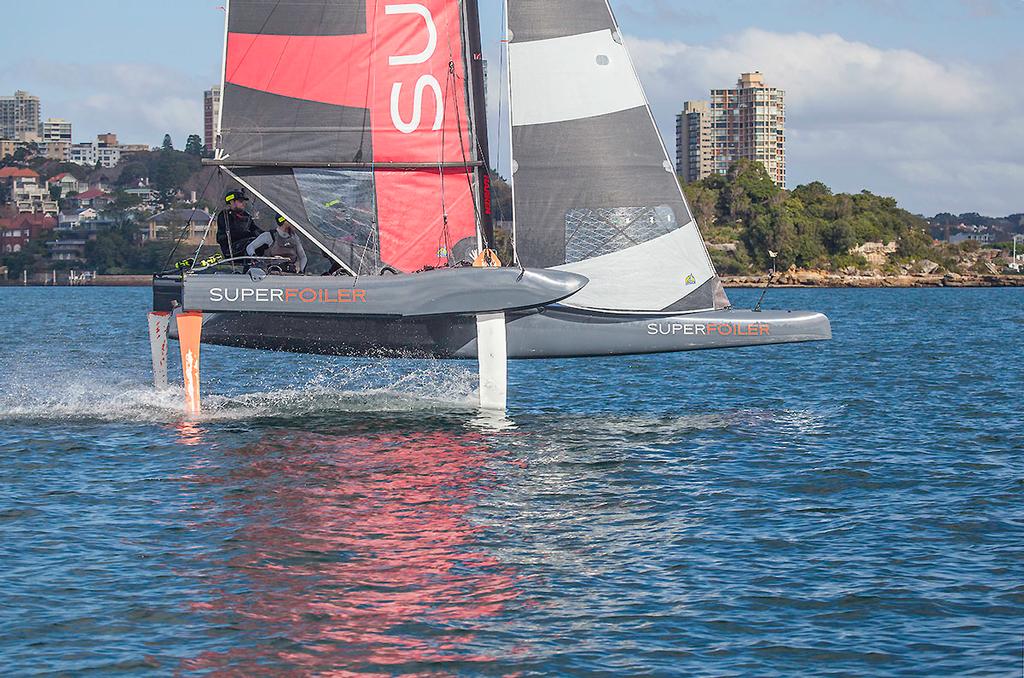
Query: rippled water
(850, 508)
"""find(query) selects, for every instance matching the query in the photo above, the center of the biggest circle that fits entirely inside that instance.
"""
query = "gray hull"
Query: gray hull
(552, 332)
(434, 315)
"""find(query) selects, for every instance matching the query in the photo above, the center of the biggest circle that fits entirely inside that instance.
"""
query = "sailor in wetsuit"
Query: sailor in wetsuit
(235, 227)
(284, 242)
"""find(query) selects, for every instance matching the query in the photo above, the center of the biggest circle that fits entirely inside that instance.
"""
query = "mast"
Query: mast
(478, 105)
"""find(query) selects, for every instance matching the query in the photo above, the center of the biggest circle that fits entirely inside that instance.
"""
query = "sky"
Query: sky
(919, 99)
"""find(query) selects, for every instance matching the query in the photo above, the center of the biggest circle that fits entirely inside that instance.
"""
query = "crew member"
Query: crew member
(283, 242)
(235, 226)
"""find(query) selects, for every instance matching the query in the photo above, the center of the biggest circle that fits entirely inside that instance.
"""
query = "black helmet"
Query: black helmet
(235, 194)
(281, 219)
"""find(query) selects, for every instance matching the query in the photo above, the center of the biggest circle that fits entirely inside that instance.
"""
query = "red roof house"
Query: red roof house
(10, 173)
(17, 232)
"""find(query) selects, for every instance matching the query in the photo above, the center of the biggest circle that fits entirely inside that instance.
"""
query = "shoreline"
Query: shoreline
(825, 280)
(788, 280)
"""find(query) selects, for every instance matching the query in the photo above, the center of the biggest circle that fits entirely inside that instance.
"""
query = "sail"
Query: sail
(354, 119)
(595, 191)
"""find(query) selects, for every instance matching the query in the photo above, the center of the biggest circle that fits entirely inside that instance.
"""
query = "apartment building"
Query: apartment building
(106, 151)
(745, 122)
(19, 117)
(211, 115)
(57, 129)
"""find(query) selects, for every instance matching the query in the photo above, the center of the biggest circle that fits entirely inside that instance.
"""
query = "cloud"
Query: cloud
(937, 135)
(140, 102)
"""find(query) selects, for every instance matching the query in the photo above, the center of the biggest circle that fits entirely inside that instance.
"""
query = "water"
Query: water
(849, 508)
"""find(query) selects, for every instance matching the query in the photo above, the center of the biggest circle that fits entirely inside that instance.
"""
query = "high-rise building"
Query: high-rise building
(211, 116)
(693, 141)
(19, 117)
(747, 122)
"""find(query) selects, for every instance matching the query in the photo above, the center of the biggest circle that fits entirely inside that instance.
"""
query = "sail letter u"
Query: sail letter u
(422, 57)
(422, 84)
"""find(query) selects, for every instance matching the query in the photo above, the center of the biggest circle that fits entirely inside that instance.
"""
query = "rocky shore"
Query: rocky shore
(875, 280)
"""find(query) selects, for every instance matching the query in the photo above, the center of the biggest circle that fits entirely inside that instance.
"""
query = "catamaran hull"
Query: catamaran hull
(551, 332)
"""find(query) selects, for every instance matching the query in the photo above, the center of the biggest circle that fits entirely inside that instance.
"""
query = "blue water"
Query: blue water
(852, 508)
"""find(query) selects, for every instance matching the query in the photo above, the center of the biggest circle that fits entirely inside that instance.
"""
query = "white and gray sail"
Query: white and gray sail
(595, 190)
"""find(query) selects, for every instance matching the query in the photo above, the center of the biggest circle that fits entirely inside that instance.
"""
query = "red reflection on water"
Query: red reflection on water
(190, 433)
(354, 553)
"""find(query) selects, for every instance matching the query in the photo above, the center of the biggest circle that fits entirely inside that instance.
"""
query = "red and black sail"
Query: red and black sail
(355, 119)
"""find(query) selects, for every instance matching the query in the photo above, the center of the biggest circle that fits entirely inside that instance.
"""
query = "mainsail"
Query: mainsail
(355, 119)
(595, 191)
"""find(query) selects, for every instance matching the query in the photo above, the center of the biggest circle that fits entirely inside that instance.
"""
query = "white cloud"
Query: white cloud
(140, 102)
(937, 135)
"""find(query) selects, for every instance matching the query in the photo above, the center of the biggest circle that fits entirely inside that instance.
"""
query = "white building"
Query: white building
(93, 153)
(57, 129)
(32, 198)
(70, 221)
(68, 184)
(106, 151)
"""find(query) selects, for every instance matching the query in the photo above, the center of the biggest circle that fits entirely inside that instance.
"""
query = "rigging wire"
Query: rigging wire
(452, 84)
(188, 225)
(462, 147)
(371, 95)
(445, 237)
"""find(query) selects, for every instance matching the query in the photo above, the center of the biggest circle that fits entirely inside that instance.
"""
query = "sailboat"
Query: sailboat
(364, 123)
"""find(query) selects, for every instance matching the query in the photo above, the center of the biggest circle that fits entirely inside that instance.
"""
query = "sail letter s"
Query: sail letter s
(423, 83)
(422, 57)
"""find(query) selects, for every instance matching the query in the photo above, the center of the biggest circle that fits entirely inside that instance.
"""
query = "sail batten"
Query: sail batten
(595, 191)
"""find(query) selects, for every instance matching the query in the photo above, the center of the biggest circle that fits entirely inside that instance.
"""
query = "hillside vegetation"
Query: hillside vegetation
(809, 227)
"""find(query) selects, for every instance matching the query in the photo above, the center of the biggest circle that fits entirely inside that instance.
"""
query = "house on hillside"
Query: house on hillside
(170, 224)
(71, 221)
(9, 174)
(70, 248)
(17, 232)
(981, 238)
(70, 243)
(32, 198)
(96, 198)
(68, 184)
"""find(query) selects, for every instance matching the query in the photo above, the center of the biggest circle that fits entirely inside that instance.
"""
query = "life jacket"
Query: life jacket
(284, 246)
(235, 231)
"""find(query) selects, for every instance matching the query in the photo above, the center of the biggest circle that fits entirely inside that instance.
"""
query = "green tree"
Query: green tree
(194, 146)
(168, 145)
(703, 201)
(914, 243)
(839, 236)
(28, 259)
(809, 226)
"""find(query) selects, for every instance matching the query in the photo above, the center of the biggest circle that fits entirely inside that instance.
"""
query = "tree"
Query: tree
(125, 201)
(840, 236)
(168, 145)
(26, 259)
(809, 227)
(703, 201)
(194, 146)
(913, 244)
